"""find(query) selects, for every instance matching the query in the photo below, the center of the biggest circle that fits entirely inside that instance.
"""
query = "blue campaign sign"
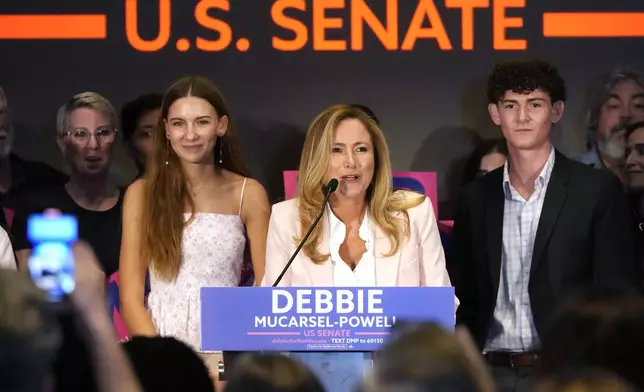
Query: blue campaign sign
(315, 319)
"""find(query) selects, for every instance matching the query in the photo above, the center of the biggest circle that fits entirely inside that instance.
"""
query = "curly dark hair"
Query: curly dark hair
(525, 76)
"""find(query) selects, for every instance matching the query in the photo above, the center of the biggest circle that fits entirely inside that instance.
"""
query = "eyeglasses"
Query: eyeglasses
(82, 136)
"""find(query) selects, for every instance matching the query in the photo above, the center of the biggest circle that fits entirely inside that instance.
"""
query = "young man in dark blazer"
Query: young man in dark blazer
(534, 230)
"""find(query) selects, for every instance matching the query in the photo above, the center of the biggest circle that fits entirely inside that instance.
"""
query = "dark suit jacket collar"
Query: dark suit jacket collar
(556, 192)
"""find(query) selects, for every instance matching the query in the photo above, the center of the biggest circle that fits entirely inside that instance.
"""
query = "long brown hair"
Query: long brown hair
(166, 191)
(383, 202)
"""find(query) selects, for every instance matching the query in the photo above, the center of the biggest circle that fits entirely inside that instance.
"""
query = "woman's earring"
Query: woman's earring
(221, 150)
(167, 147)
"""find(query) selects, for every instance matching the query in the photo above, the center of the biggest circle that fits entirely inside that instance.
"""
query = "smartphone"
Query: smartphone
(51, 264)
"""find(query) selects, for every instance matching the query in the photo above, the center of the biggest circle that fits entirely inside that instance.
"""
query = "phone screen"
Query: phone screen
(51, 264)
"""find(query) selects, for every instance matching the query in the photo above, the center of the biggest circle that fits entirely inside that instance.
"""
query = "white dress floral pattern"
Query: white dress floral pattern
(212, 254)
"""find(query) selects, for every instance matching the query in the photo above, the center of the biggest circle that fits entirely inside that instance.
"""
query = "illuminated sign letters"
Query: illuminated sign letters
(318, 24)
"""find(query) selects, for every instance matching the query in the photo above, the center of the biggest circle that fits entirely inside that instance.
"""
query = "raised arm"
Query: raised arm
(255, 214)
(113, 371)
(132, 268)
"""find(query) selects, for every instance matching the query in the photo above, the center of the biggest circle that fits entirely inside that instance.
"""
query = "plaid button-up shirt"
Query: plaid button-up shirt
(513, 326)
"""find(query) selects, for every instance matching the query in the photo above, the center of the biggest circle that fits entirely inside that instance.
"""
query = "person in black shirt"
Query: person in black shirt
(86, 127)
(18, 176)
(139, 121)
(635, 167)
(635, 180)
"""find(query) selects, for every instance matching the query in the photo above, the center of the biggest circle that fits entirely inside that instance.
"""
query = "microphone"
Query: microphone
(328, 189)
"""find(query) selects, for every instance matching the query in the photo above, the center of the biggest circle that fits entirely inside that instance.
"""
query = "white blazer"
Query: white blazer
(420, 260)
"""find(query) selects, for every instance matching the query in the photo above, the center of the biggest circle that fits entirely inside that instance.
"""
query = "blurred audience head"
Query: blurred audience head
(271, 373)
(166, 364)
(582, 380)
(635, 156)
(424, 358)
(368, 111)
(614, 100)
(526, 97)
(487, 156)
(87, 128)
(140, 120)
(6, 126)
(197, 130)
(29, 335)
(598, 328)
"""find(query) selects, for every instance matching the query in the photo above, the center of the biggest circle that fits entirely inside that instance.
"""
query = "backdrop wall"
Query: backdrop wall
(419, 64)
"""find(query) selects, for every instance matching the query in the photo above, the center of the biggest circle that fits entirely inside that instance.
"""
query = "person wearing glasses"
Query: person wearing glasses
(86, 135)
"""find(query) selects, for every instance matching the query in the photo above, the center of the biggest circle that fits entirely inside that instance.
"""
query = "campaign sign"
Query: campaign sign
(421, 182)
(315, 318)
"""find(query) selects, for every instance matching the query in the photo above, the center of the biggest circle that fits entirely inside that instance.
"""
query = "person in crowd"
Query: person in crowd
(7, 257)
(425, 357)
(167, 364)
(18, 176)
(86, 135)
(90, 359)
(487, 156)
(29, 334)
(597, 328)
(635, 171)
(635, 181)
(370, 235)
(139, 121)
(533, 230)
(271, 373)
(191, 218)
(33, 346)
(615, 99)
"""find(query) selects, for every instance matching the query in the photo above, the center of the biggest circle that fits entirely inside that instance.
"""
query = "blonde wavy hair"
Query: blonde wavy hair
(382, 201)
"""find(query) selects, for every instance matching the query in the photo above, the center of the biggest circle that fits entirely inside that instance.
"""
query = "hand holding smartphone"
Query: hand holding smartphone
(51, 264)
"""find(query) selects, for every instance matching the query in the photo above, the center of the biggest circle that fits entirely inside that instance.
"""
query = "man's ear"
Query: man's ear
(557, 111)
(493, 109)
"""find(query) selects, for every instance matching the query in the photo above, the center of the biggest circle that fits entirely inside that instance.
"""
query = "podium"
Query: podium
(320, 326)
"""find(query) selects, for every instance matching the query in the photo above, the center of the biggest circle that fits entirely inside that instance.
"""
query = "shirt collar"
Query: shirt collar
(339, 230)
(539, 182)
(594, 158)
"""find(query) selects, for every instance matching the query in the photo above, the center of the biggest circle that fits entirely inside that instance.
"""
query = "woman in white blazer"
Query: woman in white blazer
(369, 235)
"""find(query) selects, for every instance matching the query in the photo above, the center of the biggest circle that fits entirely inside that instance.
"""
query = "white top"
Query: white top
(212, 255)
(7, 258)
(364, 274)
